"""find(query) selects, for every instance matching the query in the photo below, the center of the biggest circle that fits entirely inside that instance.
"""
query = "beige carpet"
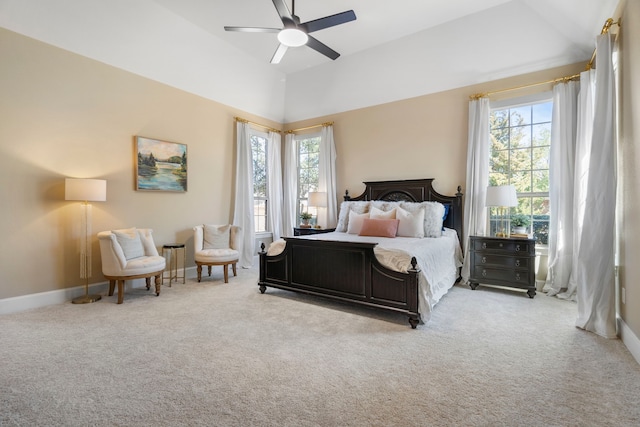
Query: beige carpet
(216, 354)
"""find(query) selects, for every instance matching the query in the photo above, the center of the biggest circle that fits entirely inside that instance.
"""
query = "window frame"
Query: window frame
(302, 199)
(263, 135)
(536, 226)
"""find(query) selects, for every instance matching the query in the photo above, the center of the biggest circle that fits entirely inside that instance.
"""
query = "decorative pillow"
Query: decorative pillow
(129, 241)
(446, 214)
(433, 214)
(379, 227)
(411, 223)
(346, 207)
(216, 236)
(355, 222)
(375, 213)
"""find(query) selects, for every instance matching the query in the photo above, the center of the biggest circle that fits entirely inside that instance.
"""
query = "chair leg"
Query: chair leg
(112, 285)
(148, 282)
(158, 284)
(235, 273)
(226, 273)
(120, 291)
(209, 270)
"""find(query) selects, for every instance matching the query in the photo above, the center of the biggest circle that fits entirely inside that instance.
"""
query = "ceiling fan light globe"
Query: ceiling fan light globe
(292, 37)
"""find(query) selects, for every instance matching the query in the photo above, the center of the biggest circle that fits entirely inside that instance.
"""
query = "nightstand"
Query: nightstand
(503, 262)
(307, 231)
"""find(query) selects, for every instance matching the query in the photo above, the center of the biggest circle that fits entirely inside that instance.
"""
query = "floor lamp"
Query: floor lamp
(502, 197)
(318, 199)
(85, 190)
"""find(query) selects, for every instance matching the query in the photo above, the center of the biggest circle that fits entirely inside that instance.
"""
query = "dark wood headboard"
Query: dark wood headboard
(414, 190)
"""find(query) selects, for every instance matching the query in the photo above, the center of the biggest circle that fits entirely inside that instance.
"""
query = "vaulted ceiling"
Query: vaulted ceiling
(393, 50)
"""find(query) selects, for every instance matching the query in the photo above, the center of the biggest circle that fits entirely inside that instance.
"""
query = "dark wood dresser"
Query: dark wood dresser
(503, 262)
(307, 231)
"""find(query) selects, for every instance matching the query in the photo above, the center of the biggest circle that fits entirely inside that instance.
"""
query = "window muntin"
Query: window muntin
(520, 148)
(259, 157)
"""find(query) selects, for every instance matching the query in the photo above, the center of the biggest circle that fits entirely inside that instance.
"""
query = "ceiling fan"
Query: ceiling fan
(296, 33)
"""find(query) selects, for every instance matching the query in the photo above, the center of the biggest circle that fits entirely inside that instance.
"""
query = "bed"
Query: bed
(348, 267)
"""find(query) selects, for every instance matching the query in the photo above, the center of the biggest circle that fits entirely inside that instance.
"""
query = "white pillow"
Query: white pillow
(376, 213)
(433, 214)
(355, 222)
(411, 224)
(346, 207)
(216, 236)
(129, 241)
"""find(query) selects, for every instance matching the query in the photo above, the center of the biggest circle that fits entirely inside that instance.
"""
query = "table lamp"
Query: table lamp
(317, 199)
(502, 197)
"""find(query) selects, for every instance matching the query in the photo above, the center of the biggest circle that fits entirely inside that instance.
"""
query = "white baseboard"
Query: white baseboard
(43, 299)
(629, 339)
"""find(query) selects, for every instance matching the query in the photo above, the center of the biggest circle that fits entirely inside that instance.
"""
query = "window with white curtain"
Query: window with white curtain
(259, 156)
(308, 147)
(519, 156)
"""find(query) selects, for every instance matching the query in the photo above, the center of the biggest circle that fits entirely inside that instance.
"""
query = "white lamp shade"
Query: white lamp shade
(501, 195)
(87, 190)
(292, 37)
(317, 198)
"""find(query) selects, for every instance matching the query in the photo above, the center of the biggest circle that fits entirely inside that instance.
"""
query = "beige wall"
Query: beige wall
(629, 164)
(62, 115)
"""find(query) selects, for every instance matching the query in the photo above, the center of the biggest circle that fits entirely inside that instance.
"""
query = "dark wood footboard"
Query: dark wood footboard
(345, 271)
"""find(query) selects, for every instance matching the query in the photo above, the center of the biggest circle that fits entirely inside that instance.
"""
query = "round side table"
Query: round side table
(170, 252)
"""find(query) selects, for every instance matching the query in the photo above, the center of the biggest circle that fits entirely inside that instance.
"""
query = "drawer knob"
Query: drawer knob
(484, 260)
(517, 248)
(500, 244)
(484, 245)
(484, 273)
(517, 263)
(517, 276)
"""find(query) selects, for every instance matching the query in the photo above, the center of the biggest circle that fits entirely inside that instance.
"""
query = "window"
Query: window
(520, 146)
(308, 170)
(259, 155)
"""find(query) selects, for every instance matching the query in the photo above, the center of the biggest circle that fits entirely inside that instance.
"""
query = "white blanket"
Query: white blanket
(438, 260)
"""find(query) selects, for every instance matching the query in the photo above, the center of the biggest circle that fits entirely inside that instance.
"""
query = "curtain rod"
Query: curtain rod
(605, 29)
(241, 120)
(309, 127)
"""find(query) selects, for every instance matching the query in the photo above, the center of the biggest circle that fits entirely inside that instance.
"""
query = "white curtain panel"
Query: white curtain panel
(290, 185)
(584, 135)
(595, 268)
(274, 185)
(327, 175)
(475, 212)
(561, 193)
(243, 206)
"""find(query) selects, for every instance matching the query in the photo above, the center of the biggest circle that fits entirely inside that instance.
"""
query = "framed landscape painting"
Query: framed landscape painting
(160, 165)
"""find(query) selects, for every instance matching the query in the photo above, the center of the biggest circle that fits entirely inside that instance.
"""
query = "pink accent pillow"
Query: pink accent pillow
(379, 227)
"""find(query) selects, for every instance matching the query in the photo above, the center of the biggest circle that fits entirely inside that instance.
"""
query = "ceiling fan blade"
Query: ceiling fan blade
(329, 21)
(279, 53)
(253, 29)
(283, 11)
(314, 44)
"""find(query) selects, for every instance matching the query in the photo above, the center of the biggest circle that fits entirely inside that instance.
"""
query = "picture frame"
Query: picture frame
(160, 165)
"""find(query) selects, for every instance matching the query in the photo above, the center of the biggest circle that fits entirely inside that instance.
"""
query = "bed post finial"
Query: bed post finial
(262, 247)
(347, 197)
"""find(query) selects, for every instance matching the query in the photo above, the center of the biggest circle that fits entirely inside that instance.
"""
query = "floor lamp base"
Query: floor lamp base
(84, 299)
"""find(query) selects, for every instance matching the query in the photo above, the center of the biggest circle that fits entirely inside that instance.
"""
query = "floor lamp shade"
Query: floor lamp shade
(85, 190)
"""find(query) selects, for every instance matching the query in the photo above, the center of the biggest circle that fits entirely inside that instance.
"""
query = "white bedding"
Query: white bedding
(438, 259)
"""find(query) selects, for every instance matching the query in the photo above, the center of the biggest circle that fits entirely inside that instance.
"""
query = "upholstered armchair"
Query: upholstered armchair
(217, 245)
(129, 254)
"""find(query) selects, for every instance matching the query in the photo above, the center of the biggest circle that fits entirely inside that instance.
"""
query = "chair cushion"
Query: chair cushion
(129, 241)
(144, 265)
(216, 236)
(217, 255)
